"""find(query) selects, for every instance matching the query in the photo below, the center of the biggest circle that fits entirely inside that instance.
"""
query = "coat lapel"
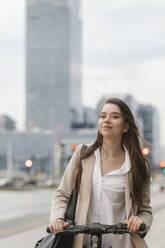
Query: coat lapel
(128, 192)
(87, 167)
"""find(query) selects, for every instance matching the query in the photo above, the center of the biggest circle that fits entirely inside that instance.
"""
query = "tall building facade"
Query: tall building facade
(76, 62)
(149, 120)
(53, 63)
(7, 123)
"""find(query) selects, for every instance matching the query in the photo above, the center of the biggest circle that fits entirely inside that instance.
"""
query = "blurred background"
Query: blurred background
(60, 60)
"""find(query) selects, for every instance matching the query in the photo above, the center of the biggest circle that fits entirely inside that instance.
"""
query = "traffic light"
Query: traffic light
(145, 150)
(162, 165)
(73, 147)
(28, 163)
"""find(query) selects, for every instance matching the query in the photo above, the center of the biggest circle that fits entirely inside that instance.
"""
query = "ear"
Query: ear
(126, 127)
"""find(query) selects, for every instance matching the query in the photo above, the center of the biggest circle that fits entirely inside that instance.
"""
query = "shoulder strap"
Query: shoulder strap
(84, 147)
(71, 208)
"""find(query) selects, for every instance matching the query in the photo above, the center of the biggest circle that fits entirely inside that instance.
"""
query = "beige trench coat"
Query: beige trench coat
(60, 201)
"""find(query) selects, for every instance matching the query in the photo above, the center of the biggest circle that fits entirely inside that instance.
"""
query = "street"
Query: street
(155, 238)
(23, 210)
(24, 229)
(24, 203)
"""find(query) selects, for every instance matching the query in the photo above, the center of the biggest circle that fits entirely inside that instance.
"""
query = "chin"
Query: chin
(106, 134)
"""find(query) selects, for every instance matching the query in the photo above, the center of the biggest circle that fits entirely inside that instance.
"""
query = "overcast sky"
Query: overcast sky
(123, 52)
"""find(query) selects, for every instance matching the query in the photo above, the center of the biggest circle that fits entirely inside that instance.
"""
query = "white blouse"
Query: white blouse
(107, 204)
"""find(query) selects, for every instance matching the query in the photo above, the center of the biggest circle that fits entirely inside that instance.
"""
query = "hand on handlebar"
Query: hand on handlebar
(57, 225)
(94, 228)
(134, 223)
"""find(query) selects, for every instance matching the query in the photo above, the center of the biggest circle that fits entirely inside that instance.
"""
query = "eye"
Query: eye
(102, 116)
(115, 116)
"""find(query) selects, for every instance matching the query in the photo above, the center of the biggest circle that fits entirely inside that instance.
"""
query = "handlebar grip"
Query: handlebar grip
(48, 230)
(142, 227)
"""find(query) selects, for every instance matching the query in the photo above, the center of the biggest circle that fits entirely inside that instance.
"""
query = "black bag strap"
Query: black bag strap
(71, 208)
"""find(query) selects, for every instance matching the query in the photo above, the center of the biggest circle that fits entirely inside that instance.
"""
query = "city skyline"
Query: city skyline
(123, 53)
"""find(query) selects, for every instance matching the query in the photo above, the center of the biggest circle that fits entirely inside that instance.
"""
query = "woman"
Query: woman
(114, 180)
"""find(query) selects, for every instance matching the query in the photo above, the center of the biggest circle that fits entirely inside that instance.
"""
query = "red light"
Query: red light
(145, 151)
(28, 163)
(162, 164)
(73, 146)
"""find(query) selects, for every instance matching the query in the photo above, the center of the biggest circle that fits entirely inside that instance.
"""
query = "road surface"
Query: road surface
(29, 213)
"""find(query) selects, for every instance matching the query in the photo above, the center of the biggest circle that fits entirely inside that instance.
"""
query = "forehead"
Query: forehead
(110, 108)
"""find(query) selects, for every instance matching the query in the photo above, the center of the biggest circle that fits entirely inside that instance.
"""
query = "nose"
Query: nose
(108, 119)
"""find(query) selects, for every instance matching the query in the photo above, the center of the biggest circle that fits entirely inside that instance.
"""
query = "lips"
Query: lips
(107, 127)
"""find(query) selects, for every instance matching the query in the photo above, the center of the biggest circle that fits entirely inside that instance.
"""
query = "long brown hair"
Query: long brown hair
(140, 166)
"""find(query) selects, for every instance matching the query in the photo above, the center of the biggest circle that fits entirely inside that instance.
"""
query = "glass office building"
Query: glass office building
(53, 63)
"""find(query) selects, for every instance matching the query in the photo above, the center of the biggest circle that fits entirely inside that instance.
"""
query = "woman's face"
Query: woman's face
(111, 122)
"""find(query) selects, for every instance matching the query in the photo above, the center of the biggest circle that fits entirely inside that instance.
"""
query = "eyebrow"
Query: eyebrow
(111, 113)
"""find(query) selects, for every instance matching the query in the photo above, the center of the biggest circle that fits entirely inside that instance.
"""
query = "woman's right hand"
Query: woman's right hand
(57, 225)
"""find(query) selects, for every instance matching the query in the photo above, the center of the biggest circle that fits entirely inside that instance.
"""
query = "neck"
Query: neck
(111, 147)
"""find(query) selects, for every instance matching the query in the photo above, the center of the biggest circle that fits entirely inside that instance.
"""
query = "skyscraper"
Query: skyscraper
(53, 63)
(149, 117)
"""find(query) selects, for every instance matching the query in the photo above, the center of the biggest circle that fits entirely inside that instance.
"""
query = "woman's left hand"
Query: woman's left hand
(133, 223)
